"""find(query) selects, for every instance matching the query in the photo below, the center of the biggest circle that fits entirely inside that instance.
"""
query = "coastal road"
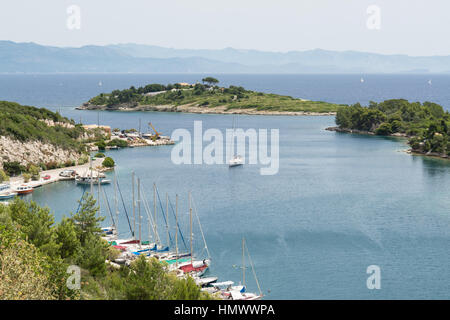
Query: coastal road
(54, 175)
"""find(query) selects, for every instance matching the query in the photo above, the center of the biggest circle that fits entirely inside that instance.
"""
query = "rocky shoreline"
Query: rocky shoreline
(191, 108)
(397, 135)
(346, 130)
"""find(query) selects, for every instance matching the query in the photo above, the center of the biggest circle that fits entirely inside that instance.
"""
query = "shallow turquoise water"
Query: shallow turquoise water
(339, 203)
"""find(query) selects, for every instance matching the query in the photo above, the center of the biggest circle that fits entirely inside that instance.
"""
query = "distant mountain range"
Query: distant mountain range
(135, 58)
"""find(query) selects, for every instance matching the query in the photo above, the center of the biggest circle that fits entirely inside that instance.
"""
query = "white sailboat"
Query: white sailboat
(91, 177)
(239, 292)
(195, 267)
(236, 160)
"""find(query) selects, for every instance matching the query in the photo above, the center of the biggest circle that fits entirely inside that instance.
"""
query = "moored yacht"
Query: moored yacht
(88, 180)
(24, 189)
(6, 192)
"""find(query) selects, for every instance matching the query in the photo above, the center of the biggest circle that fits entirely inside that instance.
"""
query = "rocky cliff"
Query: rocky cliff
(33, 152)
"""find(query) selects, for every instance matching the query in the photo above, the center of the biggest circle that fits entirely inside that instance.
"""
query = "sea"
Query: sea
(340, 206)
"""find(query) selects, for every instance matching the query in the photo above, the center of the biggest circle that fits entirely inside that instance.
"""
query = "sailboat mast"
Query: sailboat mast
(167, 219)
(116, 204)
(98, 196)
(254, 272)
(134, 206)
(190, 224)
(139, 211)
(154, 207)
(243, 262)
(176, 231)
(92, 181)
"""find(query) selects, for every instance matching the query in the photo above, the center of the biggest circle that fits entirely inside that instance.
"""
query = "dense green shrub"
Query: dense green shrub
(384, 129)
(26, 177)
(83, 159)
(101, 145)
(26, 123)
(427, 124)
(52, 165)
(3, 176)
(108, 162)
(13, 168)
(34, 172)
(118, 143)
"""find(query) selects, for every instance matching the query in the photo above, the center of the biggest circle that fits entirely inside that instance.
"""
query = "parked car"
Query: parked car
(67, 173)
(46, 177)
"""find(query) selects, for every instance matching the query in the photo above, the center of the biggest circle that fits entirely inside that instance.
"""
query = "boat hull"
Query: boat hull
(88, 182)
(235, 164)
(7, 196)
(25, 191)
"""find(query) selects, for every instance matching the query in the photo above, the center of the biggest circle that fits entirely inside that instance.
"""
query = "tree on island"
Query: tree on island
(210, 81)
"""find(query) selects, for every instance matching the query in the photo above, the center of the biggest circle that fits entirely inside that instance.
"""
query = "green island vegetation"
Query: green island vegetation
(426, 125)
(27, 123)
(36, 252)
(207, 95)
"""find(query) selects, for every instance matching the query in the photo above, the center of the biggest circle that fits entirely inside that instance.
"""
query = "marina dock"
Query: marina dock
(54, 175)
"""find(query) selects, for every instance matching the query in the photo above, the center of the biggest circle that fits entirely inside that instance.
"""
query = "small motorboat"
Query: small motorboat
(24, 189)
(8, 195)
(236, 161)
(4, 188)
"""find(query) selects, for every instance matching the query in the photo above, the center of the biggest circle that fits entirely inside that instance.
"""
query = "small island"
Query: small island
(206, 97)
(426, 126)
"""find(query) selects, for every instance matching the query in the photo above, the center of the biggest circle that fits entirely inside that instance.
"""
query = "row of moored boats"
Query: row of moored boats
(183, 263)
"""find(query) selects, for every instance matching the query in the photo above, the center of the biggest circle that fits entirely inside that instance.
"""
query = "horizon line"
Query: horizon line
(222, 49)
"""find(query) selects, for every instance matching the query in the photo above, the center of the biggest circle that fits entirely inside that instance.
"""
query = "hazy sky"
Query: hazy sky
(414, 27)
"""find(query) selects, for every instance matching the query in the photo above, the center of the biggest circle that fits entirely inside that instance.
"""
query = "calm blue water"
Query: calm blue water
(58, 90)
(338, 204)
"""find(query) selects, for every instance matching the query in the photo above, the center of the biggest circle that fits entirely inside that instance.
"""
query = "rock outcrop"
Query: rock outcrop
(33, 152)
